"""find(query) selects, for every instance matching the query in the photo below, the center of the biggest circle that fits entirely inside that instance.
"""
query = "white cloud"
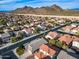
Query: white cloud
(6, 1)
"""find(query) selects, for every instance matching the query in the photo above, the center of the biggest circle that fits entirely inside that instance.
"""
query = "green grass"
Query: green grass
(57, 43)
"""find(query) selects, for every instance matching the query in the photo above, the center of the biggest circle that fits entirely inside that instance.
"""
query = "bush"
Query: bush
(52, 42)
(20, 51)
(77, 33)
(59, 44)
(1, 31)
(2, 22)
(64, 46)
(19, 35)
(13, 39)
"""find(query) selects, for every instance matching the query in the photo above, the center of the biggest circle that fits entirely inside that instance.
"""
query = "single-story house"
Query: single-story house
(51, 35)
(46, 50)
(35, 44)
(5, 37)
(67, 39)
(64, 55)
(28, 31)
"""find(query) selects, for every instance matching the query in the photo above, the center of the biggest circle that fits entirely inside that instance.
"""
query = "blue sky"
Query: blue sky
(13, 4)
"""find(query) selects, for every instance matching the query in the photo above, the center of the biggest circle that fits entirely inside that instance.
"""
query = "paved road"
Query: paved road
(8, 48)
(9, 55)
(66, 33)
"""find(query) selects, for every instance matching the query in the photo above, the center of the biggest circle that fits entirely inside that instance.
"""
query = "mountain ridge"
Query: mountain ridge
(49, 10)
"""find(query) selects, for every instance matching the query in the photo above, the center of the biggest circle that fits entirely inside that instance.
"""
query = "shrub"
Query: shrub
(77, 33)
(20, 51)
(13, 39)
(59, 44)
(52, 42)
(65, 46)
(2, 21)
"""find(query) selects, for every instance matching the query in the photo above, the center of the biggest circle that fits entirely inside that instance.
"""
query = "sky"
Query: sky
(7, 5)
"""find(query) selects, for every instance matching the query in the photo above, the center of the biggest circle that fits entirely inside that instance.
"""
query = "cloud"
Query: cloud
(6, 1)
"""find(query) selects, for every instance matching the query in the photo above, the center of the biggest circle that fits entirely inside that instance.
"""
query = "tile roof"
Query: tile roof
(68, 27)
(53, 34)
(77, 28)
(47, 49)
(75, 38)
(66, 38)
(27, 30)
(40, 55)
(35, 44)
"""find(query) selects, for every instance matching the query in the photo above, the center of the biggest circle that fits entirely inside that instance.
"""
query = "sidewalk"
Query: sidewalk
(14, 51)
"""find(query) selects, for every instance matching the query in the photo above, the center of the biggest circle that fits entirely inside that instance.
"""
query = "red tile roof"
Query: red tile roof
(68, 27)
(53, 34)
(29, 30)
(77, 28)
(49, 50)
(66, 38)
(75, 38)
(40, 55)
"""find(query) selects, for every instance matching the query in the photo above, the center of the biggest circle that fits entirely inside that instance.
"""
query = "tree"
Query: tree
(59, 44)
(52, 42)
(37, 30)
(20, 50)
(13, 39)
(1, 31)
(1, 41)
(77, 33)
(65, 46)
(2, 22)
(21, 46)
(19, 35)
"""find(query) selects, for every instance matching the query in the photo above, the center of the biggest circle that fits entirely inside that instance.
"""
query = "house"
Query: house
(46, 50)
(30, 57)
(15, 28)
(74, 25)
(67, 39)
(28, 31)
(75, 43)
(61, 21)
(7, 30)
(2, 26)
(41, 27)
(75, 38)
(9, 24)
(67, 28)
(5, 37)
(39, 55)
(75, 30)
(35, 44)
(51, 35)
(64, 55)
(26, 25)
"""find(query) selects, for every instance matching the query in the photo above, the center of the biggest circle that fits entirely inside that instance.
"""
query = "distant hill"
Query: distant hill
(48, 10)
(75, 9)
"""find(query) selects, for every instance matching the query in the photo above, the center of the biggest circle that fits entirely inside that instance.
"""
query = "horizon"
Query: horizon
(9, 5)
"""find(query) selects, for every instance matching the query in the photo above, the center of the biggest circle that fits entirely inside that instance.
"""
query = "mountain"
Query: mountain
(48, 10)
(75, 9)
